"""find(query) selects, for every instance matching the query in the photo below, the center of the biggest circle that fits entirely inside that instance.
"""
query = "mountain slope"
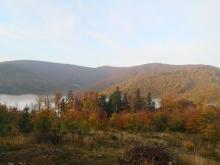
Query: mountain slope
(19, 77)
(197, 83)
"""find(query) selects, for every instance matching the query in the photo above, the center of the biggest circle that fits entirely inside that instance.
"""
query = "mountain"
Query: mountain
(196, 82)
(36, 77)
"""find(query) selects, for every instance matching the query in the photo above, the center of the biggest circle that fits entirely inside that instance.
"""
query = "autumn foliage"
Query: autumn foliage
(92, 112)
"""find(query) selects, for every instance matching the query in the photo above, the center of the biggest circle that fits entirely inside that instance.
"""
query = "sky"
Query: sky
(111, 32)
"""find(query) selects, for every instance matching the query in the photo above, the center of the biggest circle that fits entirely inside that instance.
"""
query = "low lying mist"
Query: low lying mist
(31, 101)
(19, 101)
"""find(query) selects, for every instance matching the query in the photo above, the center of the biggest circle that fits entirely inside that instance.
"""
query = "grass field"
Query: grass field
(105, 148)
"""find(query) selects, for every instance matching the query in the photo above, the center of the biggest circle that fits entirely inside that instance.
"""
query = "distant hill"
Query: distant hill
(196, 82)
(36, 77)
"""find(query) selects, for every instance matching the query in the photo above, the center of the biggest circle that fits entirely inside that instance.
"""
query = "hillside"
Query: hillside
(37, 77)
(197, 83)
(24, 77)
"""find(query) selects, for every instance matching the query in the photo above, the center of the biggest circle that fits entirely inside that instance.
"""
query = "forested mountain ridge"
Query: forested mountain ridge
(196, 82)
(36, 77)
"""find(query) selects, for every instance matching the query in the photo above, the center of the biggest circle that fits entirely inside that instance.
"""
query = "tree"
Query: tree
(57, 98)
(77, 105)
(102, 101)
(25, 124)
(39, 101)
(44, 121)
(115, 100)
(62, 105)
(116, 121)
(150, 103)
(160, 121)
(105, 105)
(47, 127)
(5, 122)
(71, 120)
(47, 102)
(98, 119)
(70, 99)
(125, 103)
(138, 101)
(208, 120)
(90, 102)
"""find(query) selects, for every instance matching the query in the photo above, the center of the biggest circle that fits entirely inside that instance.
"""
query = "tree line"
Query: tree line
(119, 111)
(117, 102)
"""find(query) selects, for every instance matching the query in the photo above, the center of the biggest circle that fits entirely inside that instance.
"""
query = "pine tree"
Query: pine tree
(102, 101)
(116, 101)
(125, 102)
(138, 101)
(63, 105)
(150, 105)
(25, 125)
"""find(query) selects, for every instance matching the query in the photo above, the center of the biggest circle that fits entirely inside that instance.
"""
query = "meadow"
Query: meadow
(94, 130)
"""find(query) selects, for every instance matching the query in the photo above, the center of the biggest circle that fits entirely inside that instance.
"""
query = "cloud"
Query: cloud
(58, 23)
(32, 20)
(123, 32)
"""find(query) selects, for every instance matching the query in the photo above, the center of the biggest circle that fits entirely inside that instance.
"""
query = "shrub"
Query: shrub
(98, 120)
(189, 146)
(116, 121)
(147, 154)
(160, 121)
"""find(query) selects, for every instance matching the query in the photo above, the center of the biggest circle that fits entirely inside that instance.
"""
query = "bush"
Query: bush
(189, 146)
(176, 125)
(147, 154)
(160, 121)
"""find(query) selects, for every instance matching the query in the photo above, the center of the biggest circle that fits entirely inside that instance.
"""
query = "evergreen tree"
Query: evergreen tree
(63, 105)
(5, 121)
(150, 103)
(125, 102)
(116, 101)
(138, 101)
(102, 101)
(105, 104)
(25, 124)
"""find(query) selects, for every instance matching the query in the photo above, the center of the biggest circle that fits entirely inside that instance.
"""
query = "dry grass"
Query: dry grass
(101, 148)
(197, 160)
(15, 140)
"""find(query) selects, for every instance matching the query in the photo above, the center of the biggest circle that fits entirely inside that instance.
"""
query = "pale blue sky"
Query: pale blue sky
(111, 32)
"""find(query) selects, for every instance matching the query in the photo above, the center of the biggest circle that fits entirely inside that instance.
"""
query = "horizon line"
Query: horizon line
(113, 66)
